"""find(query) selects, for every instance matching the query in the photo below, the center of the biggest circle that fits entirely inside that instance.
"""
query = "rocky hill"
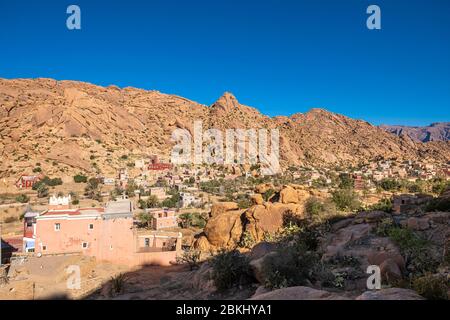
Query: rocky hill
(69, 126)
(439, 131)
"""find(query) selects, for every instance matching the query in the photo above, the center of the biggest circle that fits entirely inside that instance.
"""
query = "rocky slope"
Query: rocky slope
(439, 131)
(69, 126)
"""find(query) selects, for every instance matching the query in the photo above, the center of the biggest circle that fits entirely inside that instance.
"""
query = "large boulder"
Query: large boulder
(262, 188)
(261, 249)
(288, 195)
(418, 224)
(202, 244)
(225, 229)
(269, 218)
(293, 194)
(257, 199)
(221, 207)
(390, 294)
(298, 293)
(257, 267)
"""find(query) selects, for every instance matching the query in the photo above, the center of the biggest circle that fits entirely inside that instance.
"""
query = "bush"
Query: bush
(290, 266)
(118, 284)
(268, 194)
(230, 268)
(191, 257)
(42, 190)
(414, 249)
(10, 219)
(51, 182)
(382, 205)
(247, 240)
(390, 184)
(432, 287)
(79, 178)
(318, 210)
(345, 199)
(438, 204)
(23, 198)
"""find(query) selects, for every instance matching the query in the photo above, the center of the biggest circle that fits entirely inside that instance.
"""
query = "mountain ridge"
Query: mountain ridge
(436, 131)
(72, 126)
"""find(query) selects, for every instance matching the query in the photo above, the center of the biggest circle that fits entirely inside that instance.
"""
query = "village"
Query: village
(153, 212)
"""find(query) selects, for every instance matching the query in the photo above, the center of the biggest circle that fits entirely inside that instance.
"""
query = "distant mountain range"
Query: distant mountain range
(70, 127)
(439, 131)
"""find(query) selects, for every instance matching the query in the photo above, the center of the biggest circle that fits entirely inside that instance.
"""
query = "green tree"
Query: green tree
(23, 198)
(345, 199)
(79, 178)
(42, 190)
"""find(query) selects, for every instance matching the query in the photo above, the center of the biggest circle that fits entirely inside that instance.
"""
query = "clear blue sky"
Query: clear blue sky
(280, 56)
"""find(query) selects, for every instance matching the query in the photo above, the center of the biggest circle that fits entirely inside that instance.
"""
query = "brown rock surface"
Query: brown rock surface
(39, 115)
(298, 293)
(221, 207)
(390, 294)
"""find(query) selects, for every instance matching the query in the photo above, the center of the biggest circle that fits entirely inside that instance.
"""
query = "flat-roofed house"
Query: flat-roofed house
(108, 234)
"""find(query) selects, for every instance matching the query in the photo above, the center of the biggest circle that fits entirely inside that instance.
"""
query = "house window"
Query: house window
(44, 248)
(85, 245)
(147, 242)
(57, 226)
(91, 226)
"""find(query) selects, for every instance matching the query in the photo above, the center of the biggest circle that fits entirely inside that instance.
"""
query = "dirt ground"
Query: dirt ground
(47, 277)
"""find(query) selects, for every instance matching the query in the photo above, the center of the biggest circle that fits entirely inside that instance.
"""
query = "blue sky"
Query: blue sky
(280, 56)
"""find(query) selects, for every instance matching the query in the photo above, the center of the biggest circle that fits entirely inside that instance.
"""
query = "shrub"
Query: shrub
(51, 182)
(42, 190)
(345, 199)
(230, 268)
(432, 287)
(191, 257)
(384, 204)
(268, 194)
(37, 169)
(10, 219)
(414, 249)
(438, 204)
(390, 184)
(23, 198)
(118, 283)
(79, 178)
(318, 210)
(247, 240)
(290, 266)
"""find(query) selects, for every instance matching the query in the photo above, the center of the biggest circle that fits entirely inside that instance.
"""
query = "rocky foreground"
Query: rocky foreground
(310, 258)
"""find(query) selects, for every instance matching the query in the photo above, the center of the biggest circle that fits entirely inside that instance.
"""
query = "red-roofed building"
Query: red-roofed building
(27, 181)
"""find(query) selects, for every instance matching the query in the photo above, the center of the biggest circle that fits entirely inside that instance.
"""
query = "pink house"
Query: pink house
(163, 218)
(105, 233)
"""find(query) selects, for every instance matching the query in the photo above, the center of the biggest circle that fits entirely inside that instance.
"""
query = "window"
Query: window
(44, 248)
(147, 242)
(85, 245)
(57, 226)
(91, 226)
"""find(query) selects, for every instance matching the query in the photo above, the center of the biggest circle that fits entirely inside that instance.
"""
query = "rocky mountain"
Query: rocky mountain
(69, 126)
(439, 131)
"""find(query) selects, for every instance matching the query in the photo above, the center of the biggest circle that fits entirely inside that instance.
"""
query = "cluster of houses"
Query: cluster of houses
(107, 233)
(366, 176)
